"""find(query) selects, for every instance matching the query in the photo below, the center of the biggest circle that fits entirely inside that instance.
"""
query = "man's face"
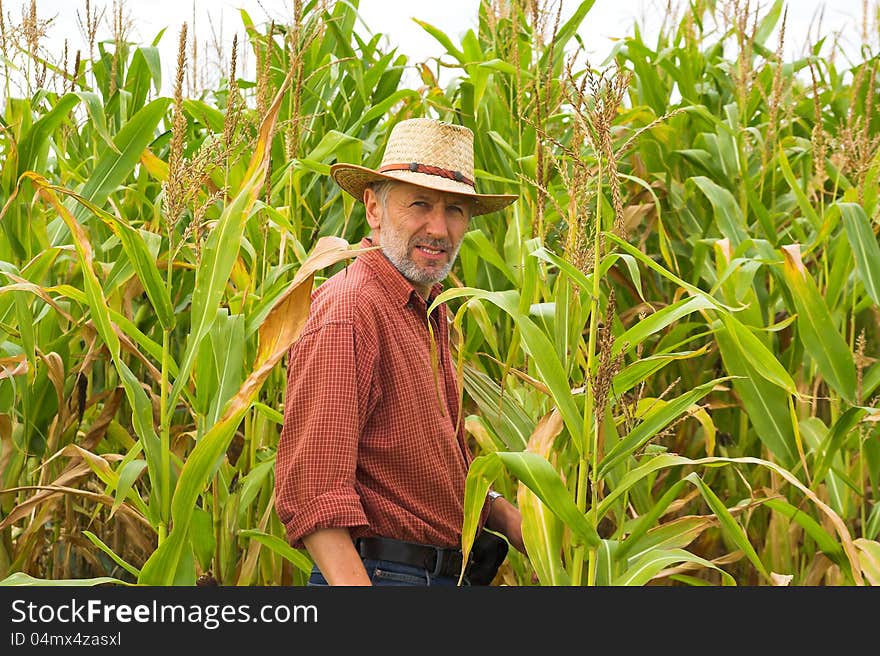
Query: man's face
(420, 230)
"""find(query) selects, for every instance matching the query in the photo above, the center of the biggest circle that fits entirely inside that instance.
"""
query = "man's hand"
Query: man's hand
(505, 518)
(333, 552)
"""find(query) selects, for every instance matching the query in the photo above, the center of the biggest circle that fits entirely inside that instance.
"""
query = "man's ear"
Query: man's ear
(374, 209)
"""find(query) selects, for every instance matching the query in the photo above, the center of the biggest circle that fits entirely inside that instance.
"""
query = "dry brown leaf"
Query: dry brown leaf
(44, 494)
(282, 326)
(634, 214)
(55, 371)
(25, 285)
(481, 435)
(52, 491)
(541, 439)
(253, 552)
(782, 580)
(99, 427)
(869, 559)
(792, 253)
(285, 320)
(15, 365)
(818, 570)
(726, 249)
(7, 447)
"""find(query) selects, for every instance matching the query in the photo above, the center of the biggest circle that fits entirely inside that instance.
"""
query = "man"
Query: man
(372, 458)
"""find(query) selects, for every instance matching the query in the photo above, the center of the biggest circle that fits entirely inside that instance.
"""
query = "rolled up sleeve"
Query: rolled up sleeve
(317, 452)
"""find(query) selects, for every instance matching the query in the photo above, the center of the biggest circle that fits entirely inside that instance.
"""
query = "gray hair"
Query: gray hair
(382, 188)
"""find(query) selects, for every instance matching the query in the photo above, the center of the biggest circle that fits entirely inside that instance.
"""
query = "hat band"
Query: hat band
(427, 169)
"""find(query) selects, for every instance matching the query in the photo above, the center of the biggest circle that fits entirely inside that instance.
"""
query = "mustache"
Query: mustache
(437, 244)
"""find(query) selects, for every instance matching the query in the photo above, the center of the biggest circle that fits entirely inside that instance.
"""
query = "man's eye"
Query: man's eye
(420, 203)
(456, 209)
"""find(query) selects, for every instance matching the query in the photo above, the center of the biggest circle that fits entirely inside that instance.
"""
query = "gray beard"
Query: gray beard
(397, 251)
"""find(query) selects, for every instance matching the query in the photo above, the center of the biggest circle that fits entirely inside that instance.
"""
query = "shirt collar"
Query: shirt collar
(392, 280)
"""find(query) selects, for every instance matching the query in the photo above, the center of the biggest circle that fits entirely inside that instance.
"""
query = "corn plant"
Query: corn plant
(666, 348)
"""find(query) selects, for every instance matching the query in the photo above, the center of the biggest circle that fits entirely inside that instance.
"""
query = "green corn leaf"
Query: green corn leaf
(204, 460)
(37, 136)
(869, 559)
(646, 521)
(164, 563)
(502, 411)
(768, 23)
(539, 476)
(117, 163)
(542, 533)
(330, 143)
(131, 569)
(442, 39)
(147, 345)
(871, 380)
(477, 240)
(642, 369)
(22, 579)
(835, 440)
(568, 29)
(98, 120)
(651, 264)
(208, 116)
(657, 321)
(481, 474)
(382, 107)
(536, 344)
(142, 416)
(816, 328)
(864, 246)
(606, 565)
(803, 202)
(201, 533)
(825, 542)
(576, 275)
(760, 357)
(675, 534)
(766, 403)
(225, 349)
(728, 216)
(502, 66)
(734, 531)
(128, 474)
(632, 477)
(252, 484)
(139, 256)
(298, 557)
(653, 424)
(873, 523)
(144, 71)
(649, 565)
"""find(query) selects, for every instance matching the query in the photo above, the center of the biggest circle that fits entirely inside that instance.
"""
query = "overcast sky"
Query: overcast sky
(606, 21)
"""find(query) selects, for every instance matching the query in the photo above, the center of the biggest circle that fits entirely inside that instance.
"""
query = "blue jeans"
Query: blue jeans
(385, 572)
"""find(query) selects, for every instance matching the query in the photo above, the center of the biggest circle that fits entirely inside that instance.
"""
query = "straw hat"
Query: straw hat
(427, 153)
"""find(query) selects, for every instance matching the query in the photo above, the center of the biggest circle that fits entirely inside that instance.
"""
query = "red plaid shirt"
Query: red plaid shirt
(371, 439)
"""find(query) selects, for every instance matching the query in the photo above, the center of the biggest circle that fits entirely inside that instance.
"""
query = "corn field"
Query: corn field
(667, 347)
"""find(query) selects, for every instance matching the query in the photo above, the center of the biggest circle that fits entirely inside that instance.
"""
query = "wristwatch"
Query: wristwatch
(493, 495)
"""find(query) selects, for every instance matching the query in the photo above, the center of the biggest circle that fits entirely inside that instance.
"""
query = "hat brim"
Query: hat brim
(354, 179)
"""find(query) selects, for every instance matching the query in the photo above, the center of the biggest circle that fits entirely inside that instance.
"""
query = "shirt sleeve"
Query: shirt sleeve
(324, 411)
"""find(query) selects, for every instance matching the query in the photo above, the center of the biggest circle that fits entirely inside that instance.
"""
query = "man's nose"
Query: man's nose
(436, 222)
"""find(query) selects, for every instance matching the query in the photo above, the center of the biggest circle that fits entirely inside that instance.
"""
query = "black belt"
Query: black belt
(437, 560)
